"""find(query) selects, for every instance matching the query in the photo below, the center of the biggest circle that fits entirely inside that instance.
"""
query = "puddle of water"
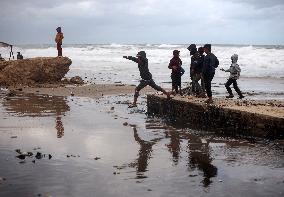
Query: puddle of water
(93, 153)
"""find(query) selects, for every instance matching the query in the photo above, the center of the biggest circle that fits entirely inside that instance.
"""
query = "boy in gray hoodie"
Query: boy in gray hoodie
(235, 71)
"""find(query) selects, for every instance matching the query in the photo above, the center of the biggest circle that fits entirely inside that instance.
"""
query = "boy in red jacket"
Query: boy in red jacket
(177, 72)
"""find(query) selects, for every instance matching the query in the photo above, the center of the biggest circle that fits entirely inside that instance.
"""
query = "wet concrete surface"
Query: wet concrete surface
(95, 153)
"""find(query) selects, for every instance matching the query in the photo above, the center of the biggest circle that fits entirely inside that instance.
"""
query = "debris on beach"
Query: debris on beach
(77, 80)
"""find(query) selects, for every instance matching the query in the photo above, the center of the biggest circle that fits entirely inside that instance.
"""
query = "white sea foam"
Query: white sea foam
(255, 61)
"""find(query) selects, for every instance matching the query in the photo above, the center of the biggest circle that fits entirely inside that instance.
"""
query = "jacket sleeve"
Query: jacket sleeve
(170, 64)
(134, 59)
(228, 70)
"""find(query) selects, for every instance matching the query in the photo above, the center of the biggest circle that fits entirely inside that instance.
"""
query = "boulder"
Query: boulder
(34, 70)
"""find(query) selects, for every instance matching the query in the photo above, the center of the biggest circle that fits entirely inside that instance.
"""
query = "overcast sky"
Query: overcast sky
(143, 21)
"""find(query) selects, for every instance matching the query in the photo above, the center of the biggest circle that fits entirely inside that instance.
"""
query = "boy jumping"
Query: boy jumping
(145, 74)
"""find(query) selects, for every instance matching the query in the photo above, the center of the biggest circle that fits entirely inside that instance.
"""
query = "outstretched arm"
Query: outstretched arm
(222, 69)
(134, 59)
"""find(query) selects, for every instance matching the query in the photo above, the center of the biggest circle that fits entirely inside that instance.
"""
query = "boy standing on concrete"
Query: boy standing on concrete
(177, 72)
(210, 63)
(235, 71)
(145, 74)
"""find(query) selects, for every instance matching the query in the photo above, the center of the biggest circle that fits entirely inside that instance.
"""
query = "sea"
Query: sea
(104, 63)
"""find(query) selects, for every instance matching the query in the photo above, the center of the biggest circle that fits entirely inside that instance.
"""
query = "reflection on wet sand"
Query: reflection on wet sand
(33, 105)
(199, 157)
(198, 151)
(59, 127)
(174, 146)
(144, 155)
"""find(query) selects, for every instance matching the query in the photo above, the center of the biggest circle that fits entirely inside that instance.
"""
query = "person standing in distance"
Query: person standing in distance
(58, 39)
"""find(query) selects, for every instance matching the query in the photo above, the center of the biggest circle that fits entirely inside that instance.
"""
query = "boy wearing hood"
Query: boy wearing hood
(235, 71)
(177, 72)
(58, 39)
(145, 74)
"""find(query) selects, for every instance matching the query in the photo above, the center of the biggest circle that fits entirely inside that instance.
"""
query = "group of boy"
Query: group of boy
(202, 68)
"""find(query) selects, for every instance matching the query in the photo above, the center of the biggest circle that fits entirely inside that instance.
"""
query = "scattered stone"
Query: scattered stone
(72, 94)
(18, 151)
(112, 108)
(97, 158)
(22, 162)
(125, 124)
(68, 156)
(49, 156)
(77, 80)
(21, 157)
(149, 190)
(33, 161)
(20, 89)
(220, 180)
(38, 155)
(14, 136)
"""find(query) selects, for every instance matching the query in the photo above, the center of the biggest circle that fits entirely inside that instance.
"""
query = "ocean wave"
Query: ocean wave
(168, 46)
(255, 61)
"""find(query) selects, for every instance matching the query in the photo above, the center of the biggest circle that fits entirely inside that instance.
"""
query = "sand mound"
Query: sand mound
(34, 70)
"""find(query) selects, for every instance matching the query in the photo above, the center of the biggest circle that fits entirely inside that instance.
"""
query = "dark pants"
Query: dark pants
(59, 49)
(176, 81)
(207, 83)
(196, 88)
(143, 83)
(235, 85)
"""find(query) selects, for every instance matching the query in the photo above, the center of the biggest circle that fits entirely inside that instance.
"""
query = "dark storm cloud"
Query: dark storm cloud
(97, 21)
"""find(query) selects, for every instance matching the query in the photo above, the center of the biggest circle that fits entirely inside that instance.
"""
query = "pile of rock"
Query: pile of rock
(32, 71)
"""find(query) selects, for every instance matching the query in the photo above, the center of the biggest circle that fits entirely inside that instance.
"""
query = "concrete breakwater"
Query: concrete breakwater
(245, 118)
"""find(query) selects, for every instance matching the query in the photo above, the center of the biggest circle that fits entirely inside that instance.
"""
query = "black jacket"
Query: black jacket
(209, 64)
(143, 67)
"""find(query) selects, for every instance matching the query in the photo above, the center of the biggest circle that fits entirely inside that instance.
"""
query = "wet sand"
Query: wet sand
(268, 107)
(99, 147)
(90, 90)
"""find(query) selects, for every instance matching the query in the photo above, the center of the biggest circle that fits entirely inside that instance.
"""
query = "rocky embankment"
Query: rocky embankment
(33, 71)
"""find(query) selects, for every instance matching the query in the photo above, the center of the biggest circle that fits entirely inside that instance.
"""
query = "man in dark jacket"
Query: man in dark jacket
(208, 71)
(145, 74)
